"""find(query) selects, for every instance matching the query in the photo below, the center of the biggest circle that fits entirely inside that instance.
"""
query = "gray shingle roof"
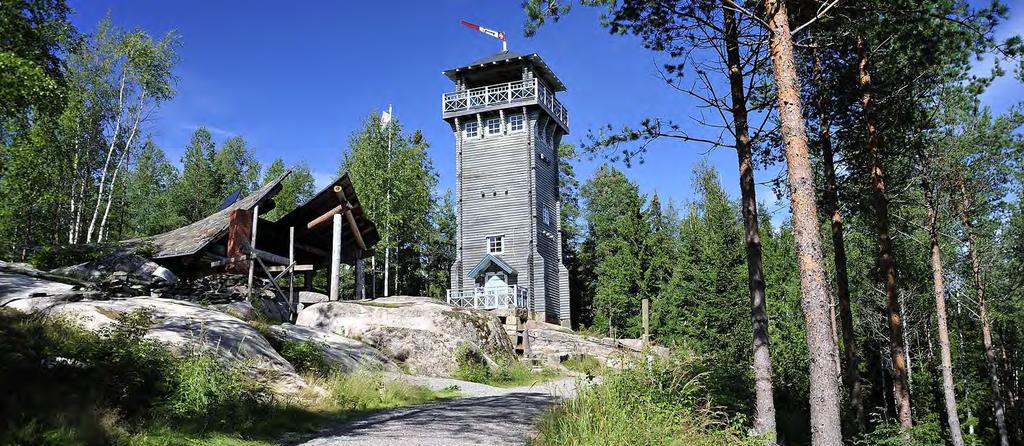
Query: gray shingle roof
(506, 56)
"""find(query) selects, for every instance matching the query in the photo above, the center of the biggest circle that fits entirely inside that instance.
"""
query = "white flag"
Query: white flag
(385, 118)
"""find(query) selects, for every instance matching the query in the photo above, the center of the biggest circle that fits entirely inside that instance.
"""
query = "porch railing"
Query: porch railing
(489, 298)
(528, 90)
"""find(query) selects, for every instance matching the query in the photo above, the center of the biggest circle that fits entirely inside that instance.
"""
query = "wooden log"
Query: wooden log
(355, 229)
(298, 268)
(335, 257)
(270, 257)
(239, 234)
(326, 216)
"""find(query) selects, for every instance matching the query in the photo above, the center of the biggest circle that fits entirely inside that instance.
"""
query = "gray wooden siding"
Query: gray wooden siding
(503, 185)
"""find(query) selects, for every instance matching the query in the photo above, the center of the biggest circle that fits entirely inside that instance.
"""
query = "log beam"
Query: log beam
(327, 216)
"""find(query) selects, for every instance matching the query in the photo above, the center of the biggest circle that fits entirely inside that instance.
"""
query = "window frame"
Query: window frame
(487, 125)
(496, 244)
(475, 129)
(515, 119)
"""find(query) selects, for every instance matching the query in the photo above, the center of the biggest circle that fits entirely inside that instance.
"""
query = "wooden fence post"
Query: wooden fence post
(645, 308)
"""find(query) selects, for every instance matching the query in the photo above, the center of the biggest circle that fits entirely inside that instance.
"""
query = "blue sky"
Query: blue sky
(297, 81)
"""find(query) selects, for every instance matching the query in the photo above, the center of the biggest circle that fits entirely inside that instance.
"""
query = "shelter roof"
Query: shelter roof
(190, 239)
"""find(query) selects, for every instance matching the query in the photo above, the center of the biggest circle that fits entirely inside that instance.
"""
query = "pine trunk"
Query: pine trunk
(764, 415)
(986, 329)
(897, 347)
(948, 390)
(824, 386)
(851, 365)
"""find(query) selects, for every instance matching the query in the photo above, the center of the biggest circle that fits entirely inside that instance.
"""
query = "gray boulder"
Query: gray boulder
(347, 355)
(418, 332)
(178, 324)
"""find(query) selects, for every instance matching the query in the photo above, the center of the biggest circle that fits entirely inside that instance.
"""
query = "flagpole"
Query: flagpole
(387, 250)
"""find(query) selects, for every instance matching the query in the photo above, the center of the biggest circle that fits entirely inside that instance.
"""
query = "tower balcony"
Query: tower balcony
(497, 96)
(489, 298)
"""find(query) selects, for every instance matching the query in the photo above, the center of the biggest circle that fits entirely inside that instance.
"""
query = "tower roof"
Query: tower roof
(507, 57)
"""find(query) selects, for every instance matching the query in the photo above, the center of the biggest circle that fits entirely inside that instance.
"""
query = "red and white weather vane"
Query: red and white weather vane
(490, 32)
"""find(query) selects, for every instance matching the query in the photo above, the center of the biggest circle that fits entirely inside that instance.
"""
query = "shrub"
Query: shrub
(657, 404)
(307, 356)
(924, 433)
(205, 392)
(471, 365)
(584, 364)
(50, 257)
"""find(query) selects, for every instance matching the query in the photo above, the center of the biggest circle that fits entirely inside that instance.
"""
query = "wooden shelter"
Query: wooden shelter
(302, 240)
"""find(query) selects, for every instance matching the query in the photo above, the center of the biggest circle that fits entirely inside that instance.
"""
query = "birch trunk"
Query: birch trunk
(948, 390)
(986, 329)
(120, 163)
(764, 413)
(851, 366)
(897, 347)
(824, 387)
(106, 164)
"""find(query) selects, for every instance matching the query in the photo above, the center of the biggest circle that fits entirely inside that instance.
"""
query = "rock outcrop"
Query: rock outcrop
(419, 333)
(554, 344)
(345, 354)
(178, 324)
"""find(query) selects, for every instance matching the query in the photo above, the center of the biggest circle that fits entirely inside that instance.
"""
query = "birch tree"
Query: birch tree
(141, 73)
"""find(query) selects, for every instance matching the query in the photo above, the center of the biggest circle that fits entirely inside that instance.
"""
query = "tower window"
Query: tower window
(545, 216)
(493, 126)
(472, 129)
(496, 244)
(516, 123)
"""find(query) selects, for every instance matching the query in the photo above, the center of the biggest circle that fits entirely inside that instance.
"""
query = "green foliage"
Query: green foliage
(295, 190)
(471, 365)
(926, 433)
(306, 356)
(55, 256)
(585, 364)
(395, 181)
(661, 403)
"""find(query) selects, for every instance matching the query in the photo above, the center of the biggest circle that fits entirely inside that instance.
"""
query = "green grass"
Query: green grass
(63, 385)
(471, 366)
(657, 405)
(585, 364)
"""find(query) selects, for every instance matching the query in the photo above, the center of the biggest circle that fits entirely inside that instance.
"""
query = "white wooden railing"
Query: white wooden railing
(487, 298)
(508, 93)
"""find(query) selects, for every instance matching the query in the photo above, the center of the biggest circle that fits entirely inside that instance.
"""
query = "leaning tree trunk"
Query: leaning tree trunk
(851, 369)
(986, 329)
(764, 415)
(824, 385)
(121, 163)
(106, 165)
(897, 347)
(948, 390)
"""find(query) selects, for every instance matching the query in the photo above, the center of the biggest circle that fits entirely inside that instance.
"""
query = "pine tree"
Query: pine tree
(198, 192)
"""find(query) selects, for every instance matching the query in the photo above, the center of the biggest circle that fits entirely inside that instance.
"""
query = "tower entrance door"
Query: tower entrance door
(495, 289)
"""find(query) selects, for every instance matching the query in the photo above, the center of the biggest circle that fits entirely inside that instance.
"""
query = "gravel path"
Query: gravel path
(484, 415)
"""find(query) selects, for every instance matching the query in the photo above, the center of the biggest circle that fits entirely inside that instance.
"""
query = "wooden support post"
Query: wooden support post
(291, 273)
(645, 307)
(335, 257)
(252, 246)
(307, 280)
(360, 276)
